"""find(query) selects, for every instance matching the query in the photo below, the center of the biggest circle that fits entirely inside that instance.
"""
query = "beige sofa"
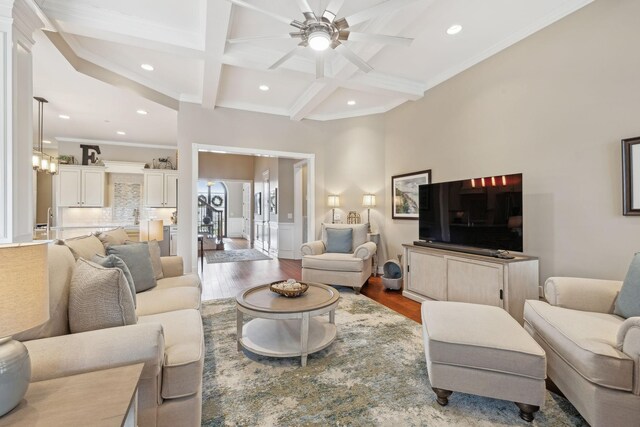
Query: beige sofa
(168, 339)
(344, 269)
(593, 356)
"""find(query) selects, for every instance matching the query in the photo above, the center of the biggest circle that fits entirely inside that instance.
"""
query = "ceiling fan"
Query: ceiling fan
(324, 32)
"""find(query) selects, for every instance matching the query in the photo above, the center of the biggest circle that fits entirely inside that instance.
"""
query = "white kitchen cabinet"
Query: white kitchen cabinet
(81, 186)
(160, 189)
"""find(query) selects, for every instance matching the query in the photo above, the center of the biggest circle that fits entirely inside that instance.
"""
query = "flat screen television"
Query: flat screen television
(483, 213)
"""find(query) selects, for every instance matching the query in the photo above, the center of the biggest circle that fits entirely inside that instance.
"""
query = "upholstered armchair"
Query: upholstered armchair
(340, 258)
(593, 355)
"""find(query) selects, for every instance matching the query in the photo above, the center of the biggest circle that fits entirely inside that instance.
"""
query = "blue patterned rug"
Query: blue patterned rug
(234, 255)
(373, 374)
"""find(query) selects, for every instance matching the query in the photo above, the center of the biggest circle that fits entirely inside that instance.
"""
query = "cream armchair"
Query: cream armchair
(344, 269)
(593, 356)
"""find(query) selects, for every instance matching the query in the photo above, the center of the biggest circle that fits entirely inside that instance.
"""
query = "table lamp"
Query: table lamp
(24, 304)
(369, 201)
(152, 229)
(333, 201)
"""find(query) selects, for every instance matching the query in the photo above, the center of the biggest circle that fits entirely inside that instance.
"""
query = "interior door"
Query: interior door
(265, 211)
(246, 211)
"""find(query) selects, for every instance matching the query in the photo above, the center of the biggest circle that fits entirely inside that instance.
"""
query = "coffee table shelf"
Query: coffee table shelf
(286, 327)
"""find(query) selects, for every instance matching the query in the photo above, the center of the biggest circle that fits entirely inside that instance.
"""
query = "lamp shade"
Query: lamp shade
(333, 201)
(152, 230)
(369, 200)
(24, 287)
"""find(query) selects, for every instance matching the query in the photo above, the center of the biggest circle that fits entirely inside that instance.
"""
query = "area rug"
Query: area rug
(374, 374)
(234, 255)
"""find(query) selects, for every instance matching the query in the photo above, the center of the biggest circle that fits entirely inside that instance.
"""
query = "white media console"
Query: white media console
(445, 275)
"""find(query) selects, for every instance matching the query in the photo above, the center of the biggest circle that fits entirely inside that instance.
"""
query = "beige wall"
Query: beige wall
(216, 166)
(554, 107)
(285, 189)
(263, 164)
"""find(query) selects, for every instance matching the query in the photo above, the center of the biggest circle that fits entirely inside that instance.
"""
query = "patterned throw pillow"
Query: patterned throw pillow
(99, 298)
(112, 261)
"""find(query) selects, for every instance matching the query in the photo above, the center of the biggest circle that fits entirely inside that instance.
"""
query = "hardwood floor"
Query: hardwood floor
(225, 280)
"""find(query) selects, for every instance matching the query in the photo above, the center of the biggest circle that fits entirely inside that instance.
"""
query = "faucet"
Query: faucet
(136, 216)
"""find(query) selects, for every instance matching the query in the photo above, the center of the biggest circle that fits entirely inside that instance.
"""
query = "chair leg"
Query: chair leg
(357, 290)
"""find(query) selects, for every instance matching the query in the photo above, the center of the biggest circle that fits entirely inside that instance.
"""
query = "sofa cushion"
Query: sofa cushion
(339, 240)
(99, 298)
(117, 236)
(138, 260)
(333, 262)
(184, 351)
(158, 300)
(112, 261)
(85, 246)
(585, 340)
(480, 337)
(189, 279)
(628, 301)
(359, 232)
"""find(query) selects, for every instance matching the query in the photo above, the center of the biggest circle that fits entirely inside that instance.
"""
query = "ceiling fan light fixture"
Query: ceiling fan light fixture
(319, 40)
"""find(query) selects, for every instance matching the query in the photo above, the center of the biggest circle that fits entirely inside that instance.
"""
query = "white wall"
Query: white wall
(554, 107)
(118, 152)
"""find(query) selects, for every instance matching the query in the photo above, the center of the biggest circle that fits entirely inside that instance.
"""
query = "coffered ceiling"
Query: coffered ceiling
(186, 42)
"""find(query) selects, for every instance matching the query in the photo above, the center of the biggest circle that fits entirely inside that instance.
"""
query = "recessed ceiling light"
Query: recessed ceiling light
(64, 117)
(263, 88)
(351, 102)
(120, 132)
(147, 67)
(46, 141)
(454, 29)
(142, 112)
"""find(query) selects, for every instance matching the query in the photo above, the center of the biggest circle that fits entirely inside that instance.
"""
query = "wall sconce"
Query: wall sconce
(333, 201)
(369, 201)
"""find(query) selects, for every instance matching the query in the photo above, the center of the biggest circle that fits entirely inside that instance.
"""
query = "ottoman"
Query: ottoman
(482, 350)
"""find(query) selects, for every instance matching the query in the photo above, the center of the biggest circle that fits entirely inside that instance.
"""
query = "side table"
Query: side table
(375, 238)
(106, 398)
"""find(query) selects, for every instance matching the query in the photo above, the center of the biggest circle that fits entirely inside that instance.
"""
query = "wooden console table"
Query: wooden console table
(104, 398)
(446, 275)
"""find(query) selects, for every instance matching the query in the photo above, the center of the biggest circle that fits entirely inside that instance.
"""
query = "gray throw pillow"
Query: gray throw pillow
(112, 261)
(138, 260)
(628, 301)
(154, 253)
(99, 298)
(339, 240)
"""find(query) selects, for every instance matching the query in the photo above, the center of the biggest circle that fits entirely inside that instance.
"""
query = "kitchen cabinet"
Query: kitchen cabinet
(81, 186)
(160, 189)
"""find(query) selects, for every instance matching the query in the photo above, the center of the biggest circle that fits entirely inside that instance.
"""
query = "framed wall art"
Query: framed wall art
(273, 201)
(404, 189)
(258, 203)
(631, 176)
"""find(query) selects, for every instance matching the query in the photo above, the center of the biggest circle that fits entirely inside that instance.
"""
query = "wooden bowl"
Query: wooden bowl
(288, 293)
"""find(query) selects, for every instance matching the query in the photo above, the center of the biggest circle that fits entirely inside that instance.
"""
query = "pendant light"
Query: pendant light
(41, 161)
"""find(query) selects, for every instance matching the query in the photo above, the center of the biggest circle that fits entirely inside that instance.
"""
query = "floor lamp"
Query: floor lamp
(369, 201)
(333, 201)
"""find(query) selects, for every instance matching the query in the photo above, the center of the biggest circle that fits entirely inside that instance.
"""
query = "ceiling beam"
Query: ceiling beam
(93, 70)
(216, 31)
(311, 99)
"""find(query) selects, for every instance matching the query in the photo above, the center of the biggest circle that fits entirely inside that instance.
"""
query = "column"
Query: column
(18, 21)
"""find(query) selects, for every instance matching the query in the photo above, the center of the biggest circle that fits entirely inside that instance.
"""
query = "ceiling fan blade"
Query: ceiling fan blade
(332, 10)
(319, 65)
(263, 11)
(364, 15)
(261, 38)
(282, 60)
(306, 9)
(353, 58)
(378, 38)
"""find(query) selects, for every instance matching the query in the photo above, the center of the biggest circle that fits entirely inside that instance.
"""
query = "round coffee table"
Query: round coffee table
(286, 327)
